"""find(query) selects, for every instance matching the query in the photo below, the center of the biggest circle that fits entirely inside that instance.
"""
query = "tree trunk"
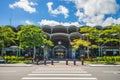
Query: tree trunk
(119, 44)
(34, 52)
(2, 52)
(99, 51)
(119, 47)
(88, 56)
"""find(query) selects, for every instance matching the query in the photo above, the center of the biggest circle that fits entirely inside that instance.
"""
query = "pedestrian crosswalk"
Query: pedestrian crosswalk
(59, 73)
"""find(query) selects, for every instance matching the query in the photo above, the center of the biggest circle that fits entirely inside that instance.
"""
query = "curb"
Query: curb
(15, 65)
(102, 65)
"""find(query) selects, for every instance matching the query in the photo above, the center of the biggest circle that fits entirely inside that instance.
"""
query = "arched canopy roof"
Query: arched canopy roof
(75, 35)
(60, 46)
(72, 29)
(46, 28)
(59, 29)
(98, 27)
(59, 36)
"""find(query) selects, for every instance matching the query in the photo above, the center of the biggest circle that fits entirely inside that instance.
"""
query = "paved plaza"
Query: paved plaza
(58, 71)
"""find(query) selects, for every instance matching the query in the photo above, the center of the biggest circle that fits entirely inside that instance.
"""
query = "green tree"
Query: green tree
(7, 37)
(115, 29)
(89, 36)
(101, 36)
(32, 36)
(79, 42)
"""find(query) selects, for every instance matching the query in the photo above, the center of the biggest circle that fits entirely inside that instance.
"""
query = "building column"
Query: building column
(53, 53)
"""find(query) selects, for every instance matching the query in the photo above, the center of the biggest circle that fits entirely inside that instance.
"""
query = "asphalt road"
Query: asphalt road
(14, 73)
(105, 73)
(38, 72)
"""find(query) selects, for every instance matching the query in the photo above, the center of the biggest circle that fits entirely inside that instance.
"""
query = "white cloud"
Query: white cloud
(26, 5)
(110, 21)
(71, 23)
(48, 22)
(96, 6)
(118, 21)
(93, 12)
(59, 10)
(54, 23)
(28, 22)
(49, 4)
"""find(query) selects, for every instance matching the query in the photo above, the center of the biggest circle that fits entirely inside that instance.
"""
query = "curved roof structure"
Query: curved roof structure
(59, 36)
(64, 34)
(60, 46)
(75, 35)
(72, 29)
(46, 28)
(59, 29)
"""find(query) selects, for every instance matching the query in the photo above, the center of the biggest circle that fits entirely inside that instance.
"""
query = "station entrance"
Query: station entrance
(60, 51)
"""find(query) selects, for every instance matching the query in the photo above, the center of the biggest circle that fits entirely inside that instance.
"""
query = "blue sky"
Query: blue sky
(60, 12)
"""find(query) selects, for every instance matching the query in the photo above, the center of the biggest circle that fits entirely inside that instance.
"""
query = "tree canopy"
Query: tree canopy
(95, 38)
(7, 37)
(31, 35)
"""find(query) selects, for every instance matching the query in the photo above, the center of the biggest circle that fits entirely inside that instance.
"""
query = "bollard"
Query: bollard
(52, 62)
(66, 61)
(74, 62)
(37, 60)
(44, 61)
(82, 61)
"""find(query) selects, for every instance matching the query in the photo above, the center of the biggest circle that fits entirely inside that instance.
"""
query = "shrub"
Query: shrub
(108, 59)
(21, 58)
(14, 59)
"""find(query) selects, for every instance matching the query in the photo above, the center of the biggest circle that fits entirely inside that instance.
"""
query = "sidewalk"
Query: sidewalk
(70, 63)
(62, 63)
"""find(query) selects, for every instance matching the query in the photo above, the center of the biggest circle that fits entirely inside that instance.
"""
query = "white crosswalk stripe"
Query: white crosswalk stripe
(59, 73)
(78, 72)
(57, 78)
